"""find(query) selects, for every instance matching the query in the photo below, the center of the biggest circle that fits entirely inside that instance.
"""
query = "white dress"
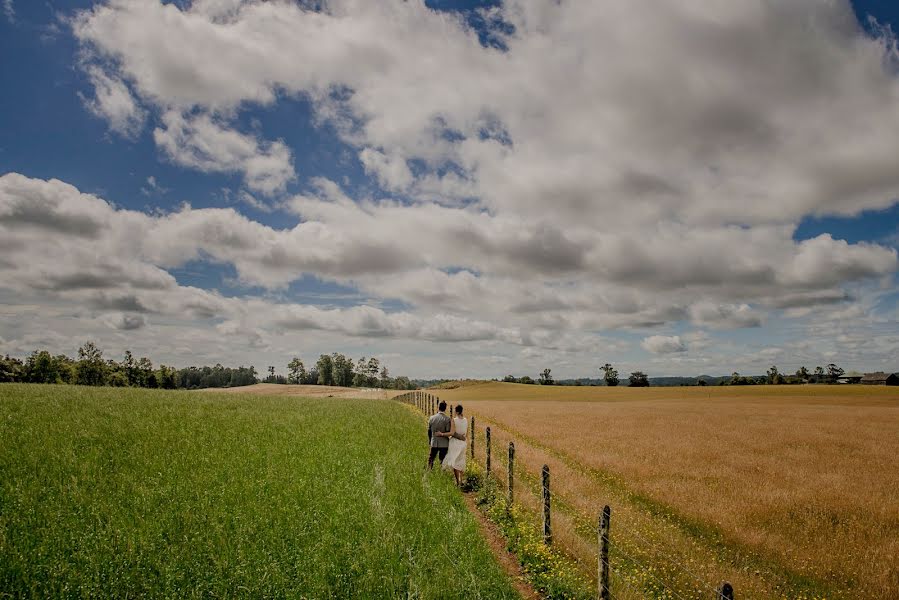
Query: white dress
(455, 456)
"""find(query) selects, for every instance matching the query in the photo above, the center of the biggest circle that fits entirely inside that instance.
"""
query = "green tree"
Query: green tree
(91, 369)
(166, 376)
(819, 374)
(833, 373)
(546, 377)
(773, 375)
(638, 379)
(372, 368)
(385, 378)
(510, 379)
(342, 370)
(129, 366)
(526, 379)
(802, 374)
(11, 369)
(296, 371)
(611, 375)
(40, 367)
(325, 368)
(145, 375)
(403, 383)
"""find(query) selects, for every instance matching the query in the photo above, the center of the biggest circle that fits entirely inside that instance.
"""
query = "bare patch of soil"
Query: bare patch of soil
(497, 544)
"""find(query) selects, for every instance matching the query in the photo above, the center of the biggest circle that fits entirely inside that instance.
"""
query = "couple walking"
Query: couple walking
(448, 437)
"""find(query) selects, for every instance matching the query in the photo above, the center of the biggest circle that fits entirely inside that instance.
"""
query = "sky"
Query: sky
(460, 188)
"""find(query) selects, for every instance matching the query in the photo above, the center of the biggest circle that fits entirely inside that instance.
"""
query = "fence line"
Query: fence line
(427, 404)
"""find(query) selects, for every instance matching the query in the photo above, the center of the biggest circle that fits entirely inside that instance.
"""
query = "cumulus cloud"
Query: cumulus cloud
(124, 321)
(204, 144)
(661, 344)
(724, 316)
(114, 102)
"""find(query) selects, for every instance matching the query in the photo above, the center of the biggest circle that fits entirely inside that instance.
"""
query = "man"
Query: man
(439, 423)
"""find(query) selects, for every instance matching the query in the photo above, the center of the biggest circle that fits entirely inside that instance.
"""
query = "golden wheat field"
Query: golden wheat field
(786, 491)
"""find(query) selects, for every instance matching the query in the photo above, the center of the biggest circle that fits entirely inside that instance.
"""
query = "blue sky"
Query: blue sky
(465, 189)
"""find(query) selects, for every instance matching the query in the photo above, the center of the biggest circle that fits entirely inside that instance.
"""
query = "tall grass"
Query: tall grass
(787, 491)
(124, 493)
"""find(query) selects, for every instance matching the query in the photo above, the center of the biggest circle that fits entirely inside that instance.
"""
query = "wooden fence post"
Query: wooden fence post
(511, 473)
(488, 452)
(547, 525)
(724, 592)
(471, 433)
(604, 518)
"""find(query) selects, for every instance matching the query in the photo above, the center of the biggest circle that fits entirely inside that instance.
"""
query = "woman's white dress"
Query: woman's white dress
(455, 456)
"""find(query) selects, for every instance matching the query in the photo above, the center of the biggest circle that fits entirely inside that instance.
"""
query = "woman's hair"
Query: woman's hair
(458, 409)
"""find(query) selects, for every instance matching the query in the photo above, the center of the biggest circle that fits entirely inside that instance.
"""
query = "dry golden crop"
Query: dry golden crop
(788, 491)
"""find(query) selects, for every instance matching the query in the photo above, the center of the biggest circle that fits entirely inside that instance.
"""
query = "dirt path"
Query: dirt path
(497, 544)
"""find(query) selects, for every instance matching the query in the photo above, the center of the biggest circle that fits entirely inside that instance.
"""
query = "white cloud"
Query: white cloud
(9, 11)
(724, 316)
(391, 171)
(114, 102)
(661, 344)
(202, 143)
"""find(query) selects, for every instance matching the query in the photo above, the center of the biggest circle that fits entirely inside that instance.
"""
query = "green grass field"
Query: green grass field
(125, 493)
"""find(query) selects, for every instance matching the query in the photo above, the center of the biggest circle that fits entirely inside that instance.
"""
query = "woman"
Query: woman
(455, 456)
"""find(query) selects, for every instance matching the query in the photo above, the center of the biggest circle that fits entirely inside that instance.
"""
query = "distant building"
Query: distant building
(880, 378)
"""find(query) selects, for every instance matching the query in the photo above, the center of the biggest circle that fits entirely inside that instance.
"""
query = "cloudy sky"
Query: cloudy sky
(458, 187)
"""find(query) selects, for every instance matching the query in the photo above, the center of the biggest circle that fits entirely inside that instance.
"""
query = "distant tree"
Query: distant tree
(166, 376)
(385, 378)
(296, 371)
(510, 379)
(40, 367)
(342, 368)
(802, 374)
(772, 375)
(403, 383)
(819, 374)
(359, 379)
(11, 369)
(546, 377)
(737, 379)
(372, 368)
(129, 367)
(325, 368)
(526, 380)
(702, 382)
(146, 376)
(834, 373)
(91, 367)
(611, 375)
(638, 379)
(116, 378)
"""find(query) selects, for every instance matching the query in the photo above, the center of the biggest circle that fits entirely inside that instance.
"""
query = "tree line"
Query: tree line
(90, 368)
(829, 374)
(610, 378)
(336, 369)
